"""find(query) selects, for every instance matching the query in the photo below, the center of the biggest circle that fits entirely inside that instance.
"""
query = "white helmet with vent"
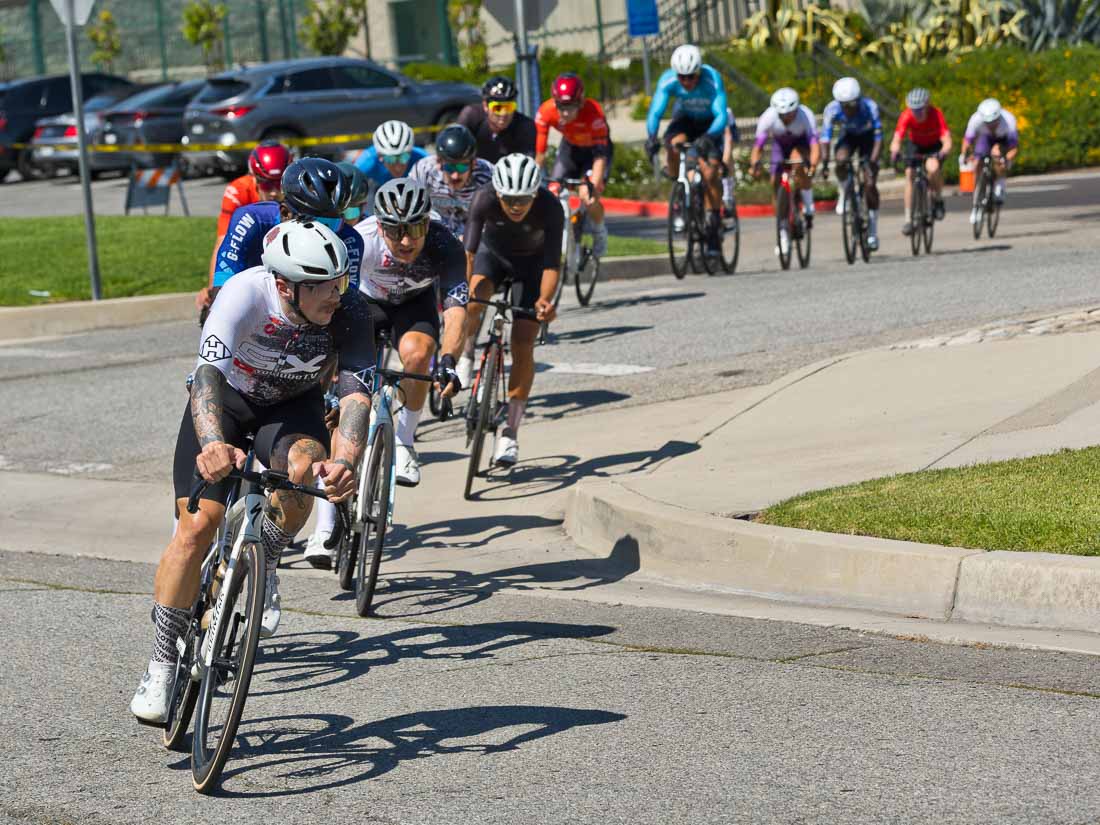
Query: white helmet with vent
(394, 137)
(304, 252)
(687, 59)
(785, 100)
(516, 175)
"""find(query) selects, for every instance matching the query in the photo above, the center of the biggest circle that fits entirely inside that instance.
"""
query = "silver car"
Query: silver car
(151, 116)
(55, 145)
(312, 97)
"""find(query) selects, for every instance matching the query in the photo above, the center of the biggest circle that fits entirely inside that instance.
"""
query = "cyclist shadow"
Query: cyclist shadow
(555, 405)
(971, 250)
(306, 661)
(642, 300)
(327, 751)
(591, 336)
(548, 474)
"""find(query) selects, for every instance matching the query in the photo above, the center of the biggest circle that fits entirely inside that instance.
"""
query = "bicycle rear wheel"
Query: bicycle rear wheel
(679, 240)
(185, 690)
(224, 687)
(488, 379)
(372, 536)
(920, 204)
(992, 214)
(782, 225)
(978, 208)
(586, 276)
(346, 554)
(928, 231)
(731, 242)
(849, 225)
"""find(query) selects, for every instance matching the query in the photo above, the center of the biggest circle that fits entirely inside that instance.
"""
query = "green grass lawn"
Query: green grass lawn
(1049, 504)
(138, 255)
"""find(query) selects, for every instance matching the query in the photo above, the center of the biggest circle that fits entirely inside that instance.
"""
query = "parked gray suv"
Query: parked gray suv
(311, 97)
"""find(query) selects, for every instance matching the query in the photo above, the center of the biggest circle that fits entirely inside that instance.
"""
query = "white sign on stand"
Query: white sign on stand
(82, 10)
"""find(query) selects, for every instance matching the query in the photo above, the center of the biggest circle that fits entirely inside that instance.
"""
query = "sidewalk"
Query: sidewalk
(979, 396)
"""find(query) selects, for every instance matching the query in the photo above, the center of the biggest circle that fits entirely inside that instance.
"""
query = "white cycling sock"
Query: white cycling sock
(808, 200)
(405, 431)
(516, 409)
(727, 189)
(326, 512)
(274, 539)
(908, 215)
(169, 623)
(872, 218)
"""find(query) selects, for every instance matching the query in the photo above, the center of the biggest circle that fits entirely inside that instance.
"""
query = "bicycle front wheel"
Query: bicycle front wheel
(225, 683)
(486, 387)
(849, 227)
(992, 214)
(980, 193)
(372, 536)
(679, 231)
(920, 205)
(731, 242)
(783, 227)
(928, 230)
(586, 276)
(802, 243)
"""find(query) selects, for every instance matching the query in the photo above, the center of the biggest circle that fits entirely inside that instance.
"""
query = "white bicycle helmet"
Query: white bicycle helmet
(394, 137)
(402, 200)
(917, 98)
(785, 100)
(516, 175)
(846, 90)
(304, 252)
(687, 59)
(989, 109)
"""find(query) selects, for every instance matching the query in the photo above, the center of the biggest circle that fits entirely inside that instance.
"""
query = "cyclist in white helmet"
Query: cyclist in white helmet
(392, 155)
(859, 129)
(514, 231)
(992, 131)
(274, 334)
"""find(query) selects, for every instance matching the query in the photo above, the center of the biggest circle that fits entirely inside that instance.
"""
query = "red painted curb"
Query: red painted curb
(659, 209)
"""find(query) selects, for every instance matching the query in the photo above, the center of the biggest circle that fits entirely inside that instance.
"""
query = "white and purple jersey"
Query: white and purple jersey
(452, 207)
(442, 261)
(800, 131)
(1002, 129)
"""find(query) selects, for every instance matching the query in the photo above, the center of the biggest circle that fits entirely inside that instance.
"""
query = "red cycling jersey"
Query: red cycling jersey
(927, 132)
(587, 130)
(240, 192)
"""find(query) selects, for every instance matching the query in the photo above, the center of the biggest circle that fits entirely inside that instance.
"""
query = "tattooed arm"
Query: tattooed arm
(350, 437)
(207, 406)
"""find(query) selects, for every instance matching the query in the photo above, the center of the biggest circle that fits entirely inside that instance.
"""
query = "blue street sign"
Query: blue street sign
(642, 18)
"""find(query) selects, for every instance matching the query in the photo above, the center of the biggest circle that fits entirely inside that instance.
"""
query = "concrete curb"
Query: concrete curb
(629, 267)
(1040, 590)
(83, 316)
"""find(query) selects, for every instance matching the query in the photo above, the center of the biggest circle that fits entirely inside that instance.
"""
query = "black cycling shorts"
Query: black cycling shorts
(420, 313)
(706, 148)
(576, 161)
(864, 144)
(302, 415)
(525, 272)
(927, 151)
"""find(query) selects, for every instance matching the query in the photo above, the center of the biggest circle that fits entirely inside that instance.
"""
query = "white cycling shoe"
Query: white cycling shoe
(507, 451)
(840, 204)
(408, 466)
(273, 606)
(150, 702)
(316, 553)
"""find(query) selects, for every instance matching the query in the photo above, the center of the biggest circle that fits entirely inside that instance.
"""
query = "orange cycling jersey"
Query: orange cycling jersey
(239, 192)
(588, 130)
(922, 132)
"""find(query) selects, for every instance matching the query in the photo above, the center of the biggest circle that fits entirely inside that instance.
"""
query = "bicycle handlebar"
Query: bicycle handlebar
(502, 306)
(268, 479)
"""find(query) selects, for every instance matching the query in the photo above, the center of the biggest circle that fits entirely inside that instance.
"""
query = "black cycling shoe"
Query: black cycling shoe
(938, 209)
(907, 229)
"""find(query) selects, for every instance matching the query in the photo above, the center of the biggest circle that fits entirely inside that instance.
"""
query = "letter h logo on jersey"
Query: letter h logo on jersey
(213, 349)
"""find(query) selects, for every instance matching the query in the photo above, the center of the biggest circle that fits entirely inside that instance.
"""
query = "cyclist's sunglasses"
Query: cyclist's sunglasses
(501, 107)
(517, 201)
(461, 168)
(342, 283)
(567, 107)
(397, 231)
(687, 78)
(390, 160)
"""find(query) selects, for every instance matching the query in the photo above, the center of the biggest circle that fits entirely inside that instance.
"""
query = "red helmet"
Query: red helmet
(567, 88)
(268, 161)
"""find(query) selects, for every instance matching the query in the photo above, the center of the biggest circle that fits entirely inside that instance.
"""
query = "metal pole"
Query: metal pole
(522, 57)
(645, 67)
(78, 104)
(261, 27)
(36, 38)
(687, 24)
(163, 43)
(600, 41)
(291, 14)
(366, 30)
(282, 30)
(228, 43)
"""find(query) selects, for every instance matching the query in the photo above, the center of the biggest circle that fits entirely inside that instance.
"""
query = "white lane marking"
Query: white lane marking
(609, 370)
(1023, 187)
(33, 352)
(71, 469)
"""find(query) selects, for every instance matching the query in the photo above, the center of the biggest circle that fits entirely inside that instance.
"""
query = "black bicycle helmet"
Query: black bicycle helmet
(456, 143)
(316, 188)
(498, 88)
(360, 186)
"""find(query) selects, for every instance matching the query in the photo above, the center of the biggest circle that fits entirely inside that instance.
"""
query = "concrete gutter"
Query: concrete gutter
(83, 316)
(826, 569)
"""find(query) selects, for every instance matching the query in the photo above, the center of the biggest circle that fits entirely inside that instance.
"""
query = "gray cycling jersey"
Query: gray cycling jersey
(442, 261)
(453, 207)
(268, 358)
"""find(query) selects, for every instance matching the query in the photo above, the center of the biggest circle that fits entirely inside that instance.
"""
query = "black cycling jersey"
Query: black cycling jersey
(538, 234)
(518, 137)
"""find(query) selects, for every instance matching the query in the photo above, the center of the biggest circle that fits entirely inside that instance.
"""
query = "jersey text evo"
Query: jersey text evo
(801, 130)
(244, 242)
(707, 101)
(268, 358)
(538, 234)
(451, 206)
(371, 165)
(866, 120)
(441, 261)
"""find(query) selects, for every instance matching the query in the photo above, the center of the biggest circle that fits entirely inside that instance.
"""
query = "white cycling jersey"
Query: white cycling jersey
(800, 130)
(384, 278)
(1004, 128)
(453, 207)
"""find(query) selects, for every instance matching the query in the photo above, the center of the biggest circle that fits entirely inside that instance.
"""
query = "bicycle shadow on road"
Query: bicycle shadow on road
(969, 250)
(592, 335)
(306, 661)
(326, 751)
(555, 405)
(642, 301)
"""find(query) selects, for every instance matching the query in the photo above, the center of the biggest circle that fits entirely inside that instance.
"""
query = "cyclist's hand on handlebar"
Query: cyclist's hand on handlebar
(544, 310)
(339, 479)
(446, 376)
(652, 145)
(217, 460)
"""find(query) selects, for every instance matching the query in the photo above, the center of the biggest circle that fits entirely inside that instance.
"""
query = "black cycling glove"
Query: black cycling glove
(445, 373)
(652, 145)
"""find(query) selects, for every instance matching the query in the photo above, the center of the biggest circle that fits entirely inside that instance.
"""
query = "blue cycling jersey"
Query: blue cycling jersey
(865, 119)
(371, 166)
(706, 101)
(244, 242)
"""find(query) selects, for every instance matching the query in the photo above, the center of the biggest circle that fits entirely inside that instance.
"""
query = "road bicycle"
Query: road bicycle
(487, 408)
(687, 219)
(789, 220)
(359, 552)
(987, 210)
(217, 652)
(923, 220)
(579, 265)
(856, 223)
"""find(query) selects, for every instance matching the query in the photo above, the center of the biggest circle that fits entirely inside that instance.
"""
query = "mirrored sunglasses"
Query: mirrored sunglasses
(461, 168)
(390, 160)
(342, 283)
(514, 201)
(397, 231)
(502, 107)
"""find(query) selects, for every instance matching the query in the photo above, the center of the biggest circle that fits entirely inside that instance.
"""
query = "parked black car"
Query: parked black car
(151, 116)
(24, 102)
(311, 97)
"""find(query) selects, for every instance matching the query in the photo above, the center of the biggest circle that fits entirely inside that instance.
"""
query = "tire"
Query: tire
(864, 225)
(782, 221)
(979, 204)
(849, 225)
(992, 216)
(484, 413)
(929, 229)
(586, 277)
(346, 555)
(29, 170)
(373, 535)
(803, 245)
(731, 242)
(679, 243)
(185, 690)
(919, 205)
(4, 173)
(208, 757)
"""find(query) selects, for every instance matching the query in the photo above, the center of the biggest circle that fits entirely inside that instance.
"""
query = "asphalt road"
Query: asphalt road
(515, 677)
